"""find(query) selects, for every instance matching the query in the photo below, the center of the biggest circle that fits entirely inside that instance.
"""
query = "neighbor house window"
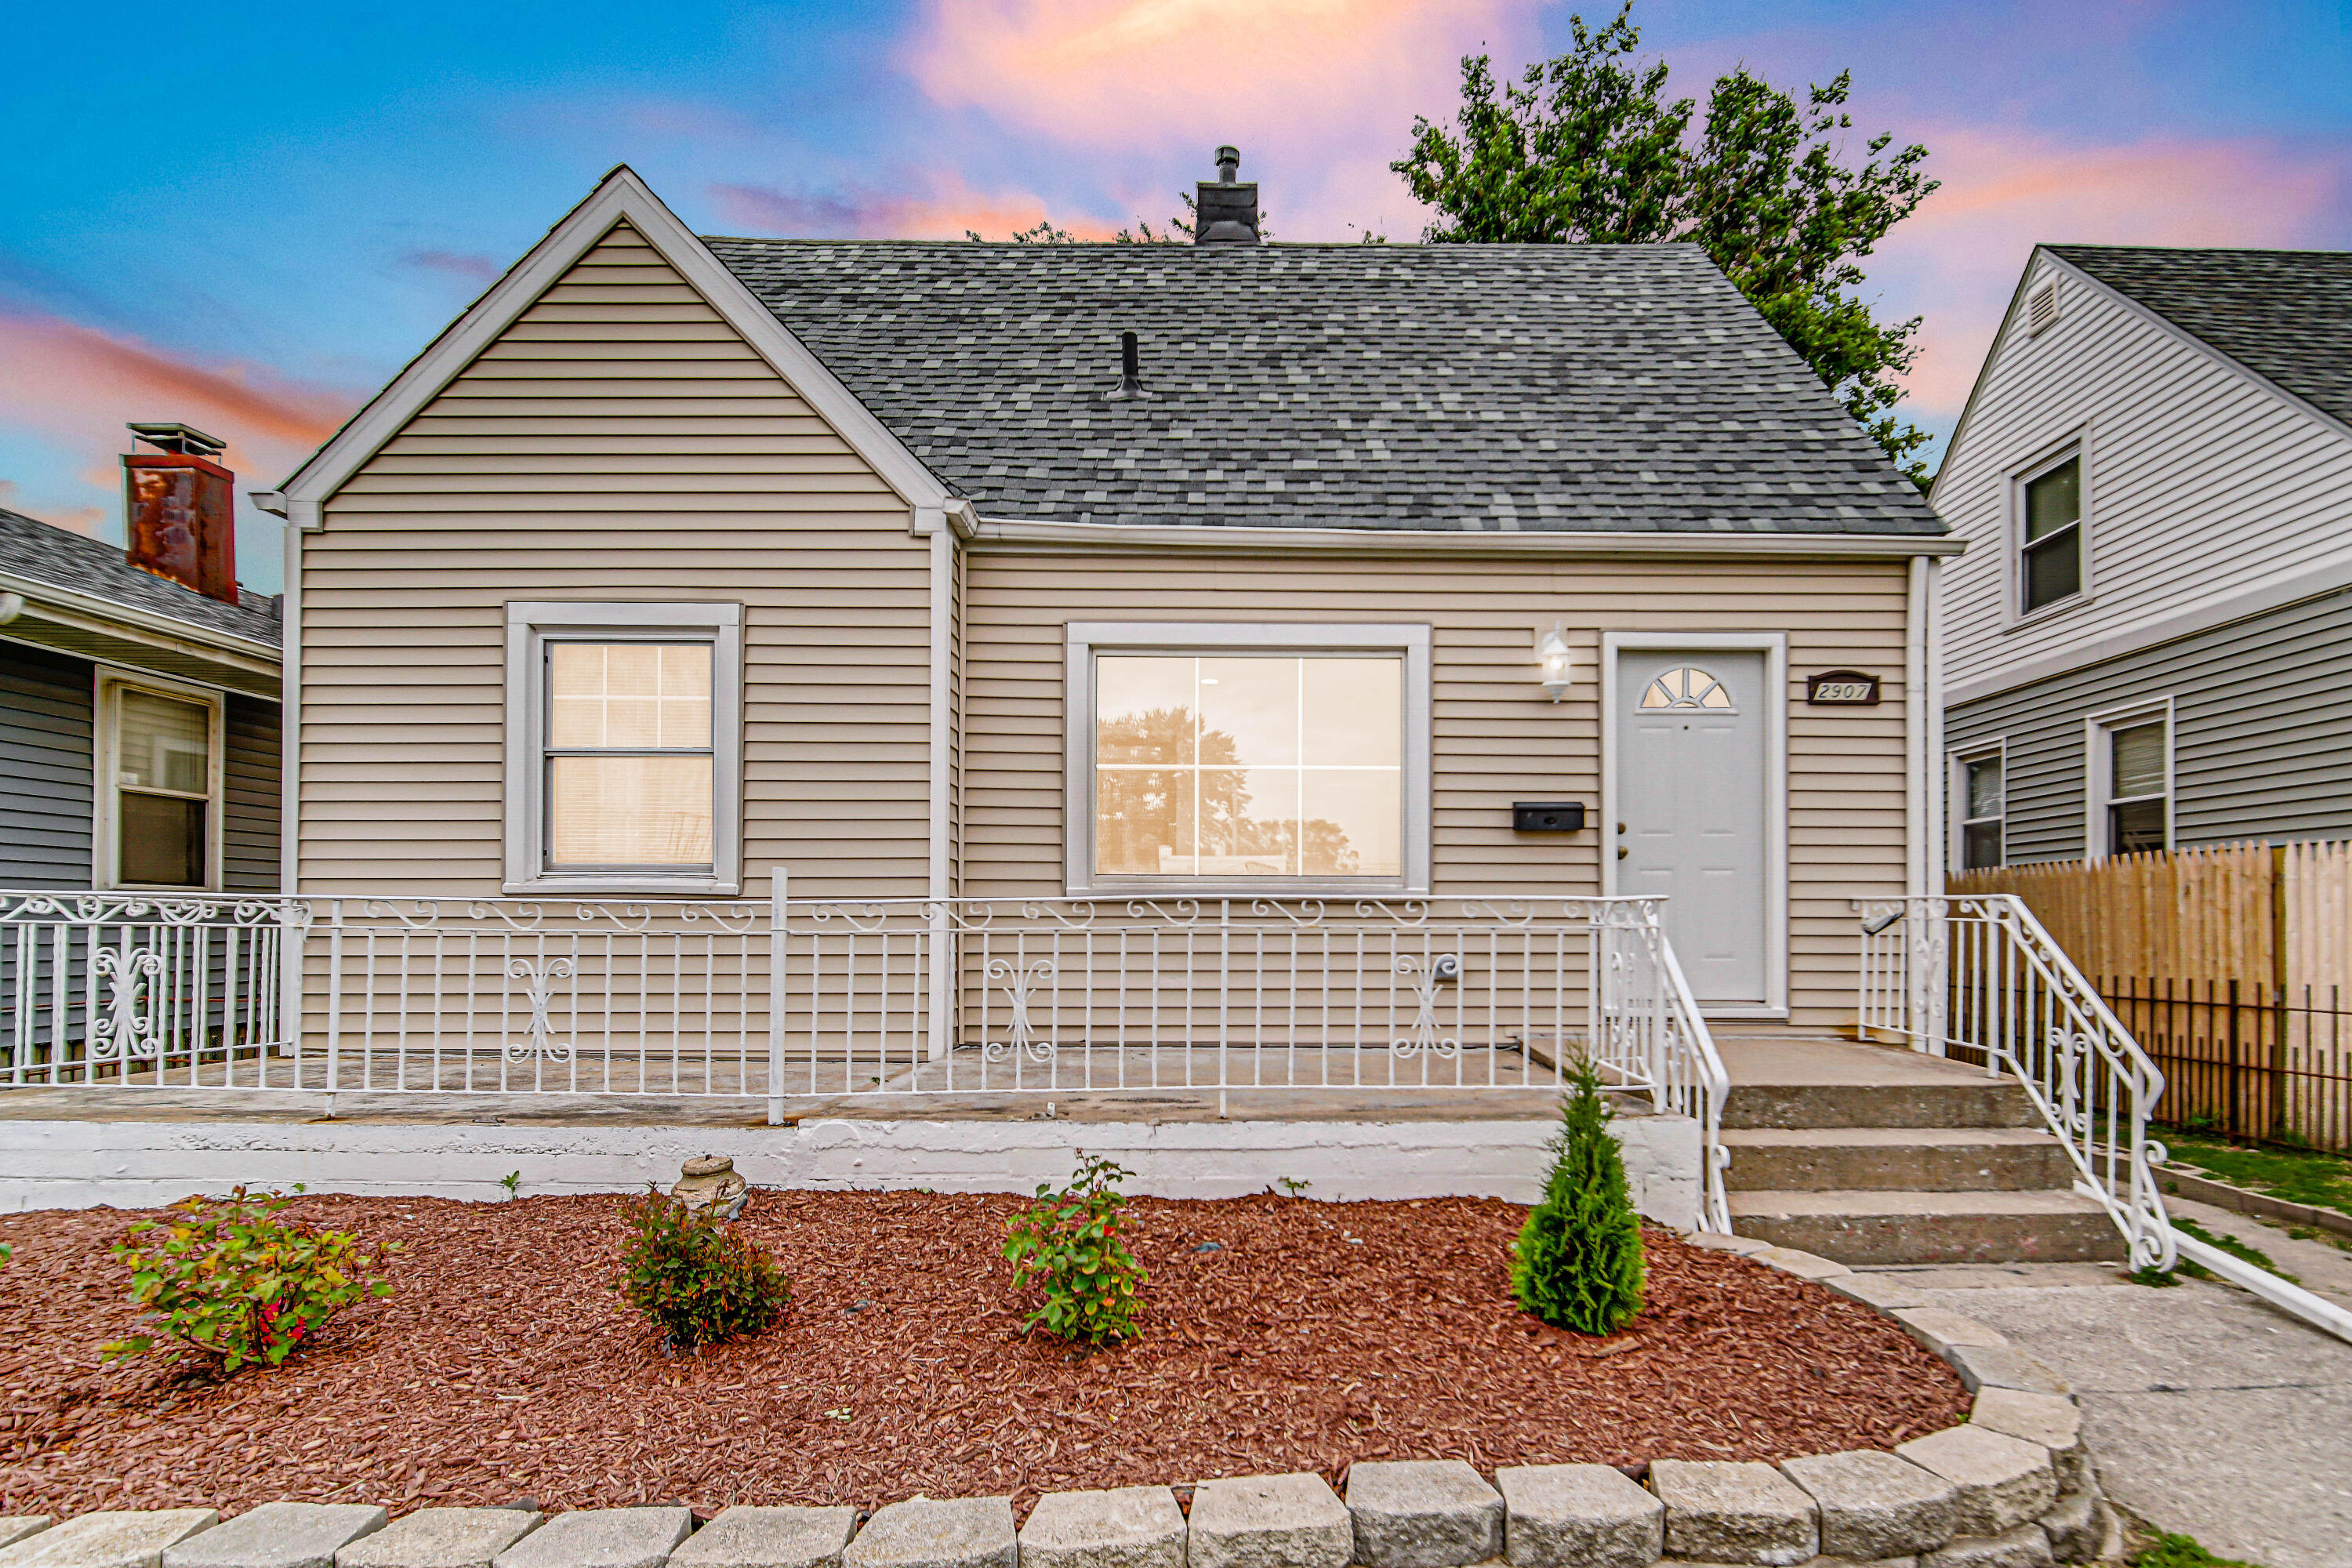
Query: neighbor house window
(1249, 757)
(2050, 566)
(622, 744)
(1983, 810)
(2139, 785)
(160, 771)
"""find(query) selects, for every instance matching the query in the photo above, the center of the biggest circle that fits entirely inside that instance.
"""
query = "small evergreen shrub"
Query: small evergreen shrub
(694, 1277)
(232, 1281)
(1578, 1264)
(1068, 1246)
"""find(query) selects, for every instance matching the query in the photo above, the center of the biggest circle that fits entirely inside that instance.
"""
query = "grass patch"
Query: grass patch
(2242, 1251)
(2169, 1550)
(2301, 1176)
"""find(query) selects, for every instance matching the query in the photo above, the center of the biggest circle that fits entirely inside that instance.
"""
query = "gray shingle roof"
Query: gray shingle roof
(1488, 386)
(2285, 315)
(47, 553)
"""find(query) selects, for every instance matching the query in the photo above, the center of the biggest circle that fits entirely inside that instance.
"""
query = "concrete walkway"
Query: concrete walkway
(2211, 1414)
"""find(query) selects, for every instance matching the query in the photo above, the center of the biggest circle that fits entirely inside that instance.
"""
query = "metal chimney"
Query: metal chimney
(179, 509)
(1225, 208)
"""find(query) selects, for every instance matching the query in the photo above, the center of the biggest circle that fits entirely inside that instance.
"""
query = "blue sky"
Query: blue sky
(248, 217)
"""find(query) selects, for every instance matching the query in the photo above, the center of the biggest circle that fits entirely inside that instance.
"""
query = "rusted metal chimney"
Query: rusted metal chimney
(179, 509)
(1224, 210)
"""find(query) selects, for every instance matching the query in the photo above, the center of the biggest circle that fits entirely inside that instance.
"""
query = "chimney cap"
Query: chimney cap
(186, 440)
(1229, 163)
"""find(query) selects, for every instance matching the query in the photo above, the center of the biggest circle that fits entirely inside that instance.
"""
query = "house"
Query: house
(2147, 640)
(1085, 571)
(138, 714)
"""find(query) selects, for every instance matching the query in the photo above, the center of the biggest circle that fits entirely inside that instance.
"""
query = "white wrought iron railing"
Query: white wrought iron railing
(1977, 978)
(781, 999)
(160, 990)
(982, 996)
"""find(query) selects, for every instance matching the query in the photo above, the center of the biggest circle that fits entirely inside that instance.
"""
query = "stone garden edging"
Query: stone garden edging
(2014, 1487)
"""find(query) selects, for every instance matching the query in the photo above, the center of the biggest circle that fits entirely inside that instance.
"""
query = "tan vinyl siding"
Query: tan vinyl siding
(619, 441)
(1495, 738)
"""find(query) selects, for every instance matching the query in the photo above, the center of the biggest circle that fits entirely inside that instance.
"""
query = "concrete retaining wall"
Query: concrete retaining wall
(80, 1164)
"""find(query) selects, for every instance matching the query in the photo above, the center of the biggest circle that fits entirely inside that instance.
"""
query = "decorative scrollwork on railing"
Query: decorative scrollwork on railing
(538, 1042)
(126, 1030)
(1423, 1037)
(2070, 1052)
(1020, 984)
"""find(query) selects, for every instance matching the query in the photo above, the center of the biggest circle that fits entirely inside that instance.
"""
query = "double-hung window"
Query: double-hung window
(159, 782)
(2050, 546)
(1983, 810)
(2135, 762)
(1249, 758)
(622, 747)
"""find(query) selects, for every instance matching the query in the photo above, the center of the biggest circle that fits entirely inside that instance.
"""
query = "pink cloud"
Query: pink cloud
(79, 386)
(84, 520)
(856, 211)
(474, 269)
(1318, 94)
(1958, 260)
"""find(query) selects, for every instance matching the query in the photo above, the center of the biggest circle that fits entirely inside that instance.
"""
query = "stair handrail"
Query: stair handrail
(2037, 1017)
(1644, 1012)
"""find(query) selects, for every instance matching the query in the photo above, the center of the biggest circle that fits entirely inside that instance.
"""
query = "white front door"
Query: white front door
(1691, 809)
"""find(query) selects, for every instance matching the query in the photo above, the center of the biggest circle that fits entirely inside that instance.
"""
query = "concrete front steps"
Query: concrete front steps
(1870, 1154)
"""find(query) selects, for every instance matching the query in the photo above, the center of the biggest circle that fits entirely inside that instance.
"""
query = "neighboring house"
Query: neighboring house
(139, 718)
(676, 563)
(2148, 639)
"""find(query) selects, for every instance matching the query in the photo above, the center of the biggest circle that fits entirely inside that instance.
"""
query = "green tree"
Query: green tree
(1578, 1264)
(1588, 148)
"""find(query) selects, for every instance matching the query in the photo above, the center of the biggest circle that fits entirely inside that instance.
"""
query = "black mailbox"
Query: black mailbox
(1547, 816)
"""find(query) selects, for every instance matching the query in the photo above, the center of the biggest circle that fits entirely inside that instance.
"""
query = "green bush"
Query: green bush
(1578, 1264)
(694, 1276)
(1068, 1245)
(232, 1281)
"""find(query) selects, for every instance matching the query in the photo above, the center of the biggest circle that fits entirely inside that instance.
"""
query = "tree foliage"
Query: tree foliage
(1588, 148)
(1578, 1264)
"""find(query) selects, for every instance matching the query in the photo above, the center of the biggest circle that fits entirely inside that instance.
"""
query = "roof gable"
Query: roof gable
(2285, 315)
(621, 199)
(1503, 387)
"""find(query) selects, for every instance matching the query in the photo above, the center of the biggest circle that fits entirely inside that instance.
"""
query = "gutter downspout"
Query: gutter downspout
(940, 883)
(1918, 700)
(1938, 777)
(291, 945)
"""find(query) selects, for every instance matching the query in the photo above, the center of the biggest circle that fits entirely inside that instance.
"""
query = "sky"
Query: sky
(249, 218)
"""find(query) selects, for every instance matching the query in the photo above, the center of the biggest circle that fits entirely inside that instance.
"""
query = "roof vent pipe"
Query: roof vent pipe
(1130, 374)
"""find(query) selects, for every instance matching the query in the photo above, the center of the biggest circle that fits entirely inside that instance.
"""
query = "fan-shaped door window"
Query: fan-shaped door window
(1687, 686)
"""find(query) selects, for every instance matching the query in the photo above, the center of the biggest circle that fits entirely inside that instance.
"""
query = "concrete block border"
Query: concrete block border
(2012, 1485)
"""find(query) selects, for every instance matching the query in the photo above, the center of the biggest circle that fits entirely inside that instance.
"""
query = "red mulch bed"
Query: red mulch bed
(503, 1366)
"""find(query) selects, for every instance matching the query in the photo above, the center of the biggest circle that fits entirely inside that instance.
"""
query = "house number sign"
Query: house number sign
(1841, 689)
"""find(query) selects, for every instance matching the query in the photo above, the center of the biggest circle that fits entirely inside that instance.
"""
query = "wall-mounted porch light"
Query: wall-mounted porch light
(1553, 651)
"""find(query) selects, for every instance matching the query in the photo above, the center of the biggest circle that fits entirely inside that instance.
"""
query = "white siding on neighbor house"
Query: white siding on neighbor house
(2203, 486)
(619, 442)
(1494, 737)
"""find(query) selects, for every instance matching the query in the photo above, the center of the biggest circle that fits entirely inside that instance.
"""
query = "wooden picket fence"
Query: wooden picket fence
(2232, 965)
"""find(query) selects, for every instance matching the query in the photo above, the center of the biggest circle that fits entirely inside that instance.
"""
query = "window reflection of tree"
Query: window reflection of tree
(1138, 809)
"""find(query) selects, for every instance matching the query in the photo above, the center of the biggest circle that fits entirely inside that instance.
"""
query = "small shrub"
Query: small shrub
(232, 1281)
(1578, 1264)
(1069, 1245)
(694, 1277)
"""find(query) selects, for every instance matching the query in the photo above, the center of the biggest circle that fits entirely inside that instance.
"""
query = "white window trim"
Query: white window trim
(1087, 638)
(2015, 616)
(105, 845)
(1956, 792)
(528, 624)
(2099, 763)
(1774, 645)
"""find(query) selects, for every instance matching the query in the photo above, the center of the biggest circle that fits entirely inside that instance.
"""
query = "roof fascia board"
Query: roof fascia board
(93, 614)
(2000, 340)
(1021, 532)
(621, 197)
(2330, 576)
(2183, 335)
